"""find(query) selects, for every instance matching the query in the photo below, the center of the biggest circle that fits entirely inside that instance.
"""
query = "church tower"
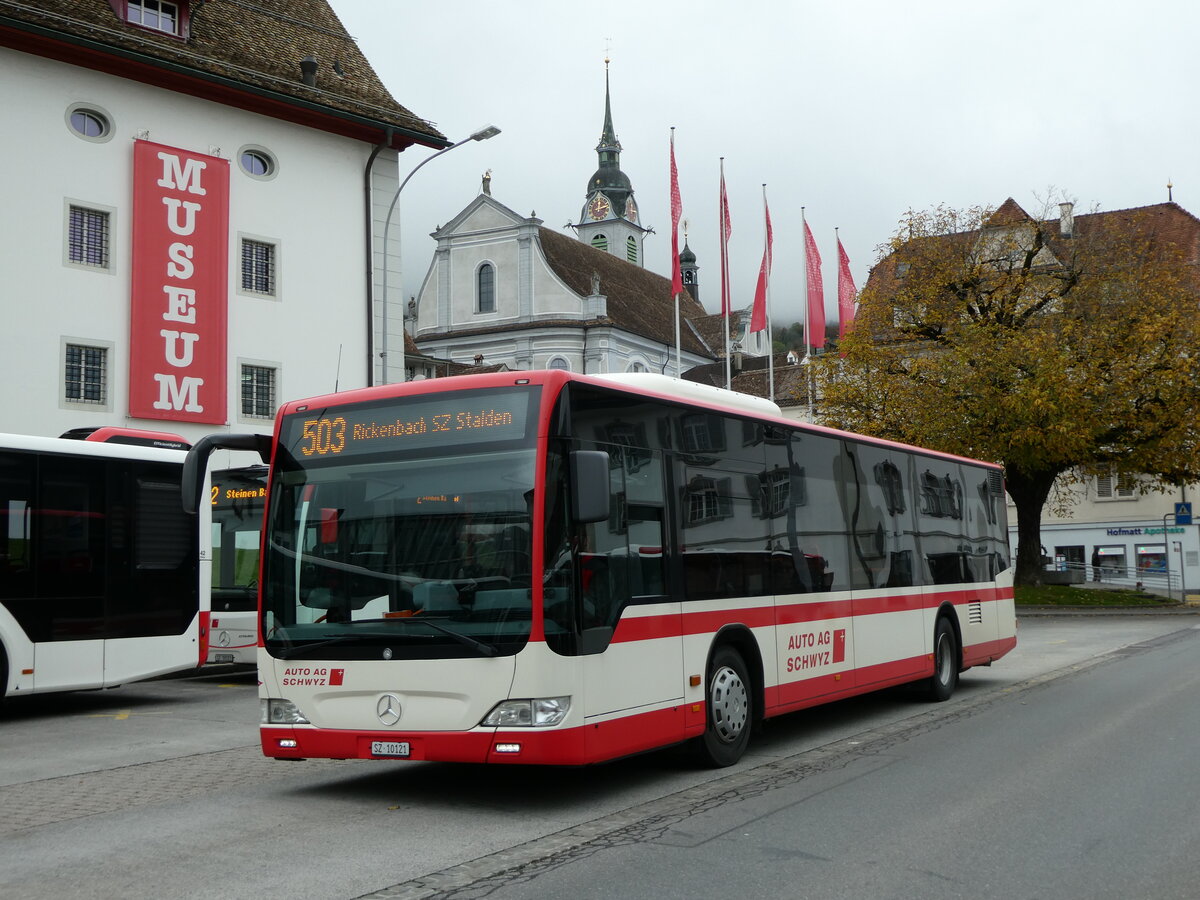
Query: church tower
(689, 271)
(609, 218)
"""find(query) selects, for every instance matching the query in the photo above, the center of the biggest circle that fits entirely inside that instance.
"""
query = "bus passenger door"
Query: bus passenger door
(890, 621)
(630, 639)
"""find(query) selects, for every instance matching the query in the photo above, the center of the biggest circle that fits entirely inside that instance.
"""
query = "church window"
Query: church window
(631, 249)
(600, 242)
(559, 363)
(485, 283)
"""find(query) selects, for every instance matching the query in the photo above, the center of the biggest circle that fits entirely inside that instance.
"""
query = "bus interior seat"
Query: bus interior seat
(508, 599)
(436, 596)
(319, 598)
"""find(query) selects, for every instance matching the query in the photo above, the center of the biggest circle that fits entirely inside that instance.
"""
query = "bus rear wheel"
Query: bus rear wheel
(729, 707)
(944, 680)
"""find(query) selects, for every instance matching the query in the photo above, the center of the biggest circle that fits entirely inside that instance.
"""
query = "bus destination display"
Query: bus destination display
(438, 421)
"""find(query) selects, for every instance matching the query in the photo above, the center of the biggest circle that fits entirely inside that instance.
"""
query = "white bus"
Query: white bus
(540, 567)
(100, 581)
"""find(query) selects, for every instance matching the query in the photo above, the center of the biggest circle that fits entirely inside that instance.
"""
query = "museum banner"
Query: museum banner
(180, 275)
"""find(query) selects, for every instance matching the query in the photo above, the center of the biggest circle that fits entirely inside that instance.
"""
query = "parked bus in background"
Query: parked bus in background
(236, 499)
(540, 567)
(98, 574)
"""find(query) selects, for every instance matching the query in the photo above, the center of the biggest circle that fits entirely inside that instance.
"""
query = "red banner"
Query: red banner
(847, 292)
(816, 291)
(676, 212)
(758, 317)
(726, 230)
(179, 301)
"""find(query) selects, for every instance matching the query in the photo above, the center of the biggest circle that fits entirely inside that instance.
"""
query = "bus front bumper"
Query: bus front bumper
(519, 747)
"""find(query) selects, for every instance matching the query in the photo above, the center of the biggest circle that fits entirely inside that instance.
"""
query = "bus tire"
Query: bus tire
(3, 673)
(729, 707)
(940, 686)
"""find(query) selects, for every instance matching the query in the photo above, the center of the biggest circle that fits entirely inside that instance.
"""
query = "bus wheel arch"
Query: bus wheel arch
(733, 697)
(947, 657)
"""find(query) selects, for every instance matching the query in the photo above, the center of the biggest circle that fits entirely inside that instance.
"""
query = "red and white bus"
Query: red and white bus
(100, 575)
(540, 567)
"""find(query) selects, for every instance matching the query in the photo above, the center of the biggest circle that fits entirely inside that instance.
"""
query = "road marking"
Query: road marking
(125, 714)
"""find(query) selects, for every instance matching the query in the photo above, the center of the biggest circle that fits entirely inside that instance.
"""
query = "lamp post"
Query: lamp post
(488, 131)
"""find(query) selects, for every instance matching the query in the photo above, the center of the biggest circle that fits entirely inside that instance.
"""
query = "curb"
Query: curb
(1175, 609)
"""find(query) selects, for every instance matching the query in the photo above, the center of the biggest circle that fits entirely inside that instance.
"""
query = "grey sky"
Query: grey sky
(855, 109)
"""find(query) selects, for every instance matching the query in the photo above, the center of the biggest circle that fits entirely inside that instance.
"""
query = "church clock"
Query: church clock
(599, 207)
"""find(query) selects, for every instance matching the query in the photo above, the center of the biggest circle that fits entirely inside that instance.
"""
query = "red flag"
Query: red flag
(725, 231)
(816, 292)
(847, 292)
(676, 212)
(758, 318)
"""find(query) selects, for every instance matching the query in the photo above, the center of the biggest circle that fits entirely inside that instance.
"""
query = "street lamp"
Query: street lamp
(488, 131)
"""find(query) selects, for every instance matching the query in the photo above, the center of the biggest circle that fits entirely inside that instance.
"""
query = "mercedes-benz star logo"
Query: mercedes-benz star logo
(388, 709)
(223, 639)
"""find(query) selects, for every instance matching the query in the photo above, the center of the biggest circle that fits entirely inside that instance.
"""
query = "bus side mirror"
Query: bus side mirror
(196, 461)
(589, 485)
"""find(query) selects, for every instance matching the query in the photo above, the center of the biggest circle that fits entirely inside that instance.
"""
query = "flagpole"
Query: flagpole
(726, 300)
(675, 251)
(770, 340)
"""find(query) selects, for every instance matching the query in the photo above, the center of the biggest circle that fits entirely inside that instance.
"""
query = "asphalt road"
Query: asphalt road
(1024, 784)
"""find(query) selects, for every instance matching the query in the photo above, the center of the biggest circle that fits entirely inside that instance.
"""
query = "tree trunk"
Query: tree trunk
(1029, 491)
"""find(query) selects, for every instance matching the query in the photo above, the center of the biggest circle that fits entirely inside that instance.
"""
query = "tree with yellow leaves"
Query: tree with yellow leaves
(1057, 348)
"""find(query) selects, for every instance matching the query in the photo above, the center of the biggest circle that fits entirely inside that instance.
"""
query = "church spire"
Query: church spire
(608, 137)
(609, 218)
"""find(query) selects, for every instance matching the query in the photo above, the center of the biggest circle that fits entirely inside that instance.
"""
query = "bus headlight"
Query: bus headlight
(540, 712)
(281, 712)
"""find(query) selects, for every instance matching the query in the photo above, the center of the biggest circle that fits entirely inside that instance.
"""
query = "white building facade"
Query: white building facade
(264, 210)
(1119, 530)
(503, 289)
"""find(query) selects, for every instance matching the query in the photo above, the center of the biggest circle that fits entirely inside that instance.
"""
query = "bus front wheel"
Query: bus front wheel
(944, 680)
(729, 707)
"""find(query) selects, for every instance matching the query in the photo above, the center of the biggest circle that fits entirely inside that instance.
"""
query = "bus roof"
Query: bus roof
(646, 384)
(77, 447)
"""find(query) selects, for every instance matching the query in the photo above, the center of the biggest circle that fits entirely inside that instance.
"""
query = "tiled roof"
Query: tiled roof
(1163, 223)
(754, 378)
(1009, 213)
(639, 301)
(236, 51)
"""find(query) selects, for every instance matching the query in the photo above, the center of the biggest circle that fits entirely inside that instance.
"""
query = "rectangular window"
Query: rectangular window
(258, 392)
(87, 237)
(156, 14)
(86, 376)
(1119, 486)
(258, 267)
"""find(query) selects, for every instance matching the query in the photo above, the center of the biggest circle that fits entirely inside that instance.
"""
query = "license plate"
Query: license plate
(223, 657)
(390, 748)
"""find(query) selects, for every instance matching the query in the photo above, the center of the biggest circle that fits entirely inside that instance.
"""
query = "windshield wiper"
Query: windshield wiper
(483, 647)
(294, 649)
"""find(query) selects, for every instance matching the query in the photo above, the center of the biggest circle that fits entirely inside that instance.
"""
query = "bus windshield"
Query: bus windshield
(401, 554)
(238, 496)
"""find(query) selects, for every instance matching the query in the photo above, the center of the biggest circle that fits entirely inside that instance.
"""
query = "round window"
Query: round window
(89, 123)
(257, 163)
